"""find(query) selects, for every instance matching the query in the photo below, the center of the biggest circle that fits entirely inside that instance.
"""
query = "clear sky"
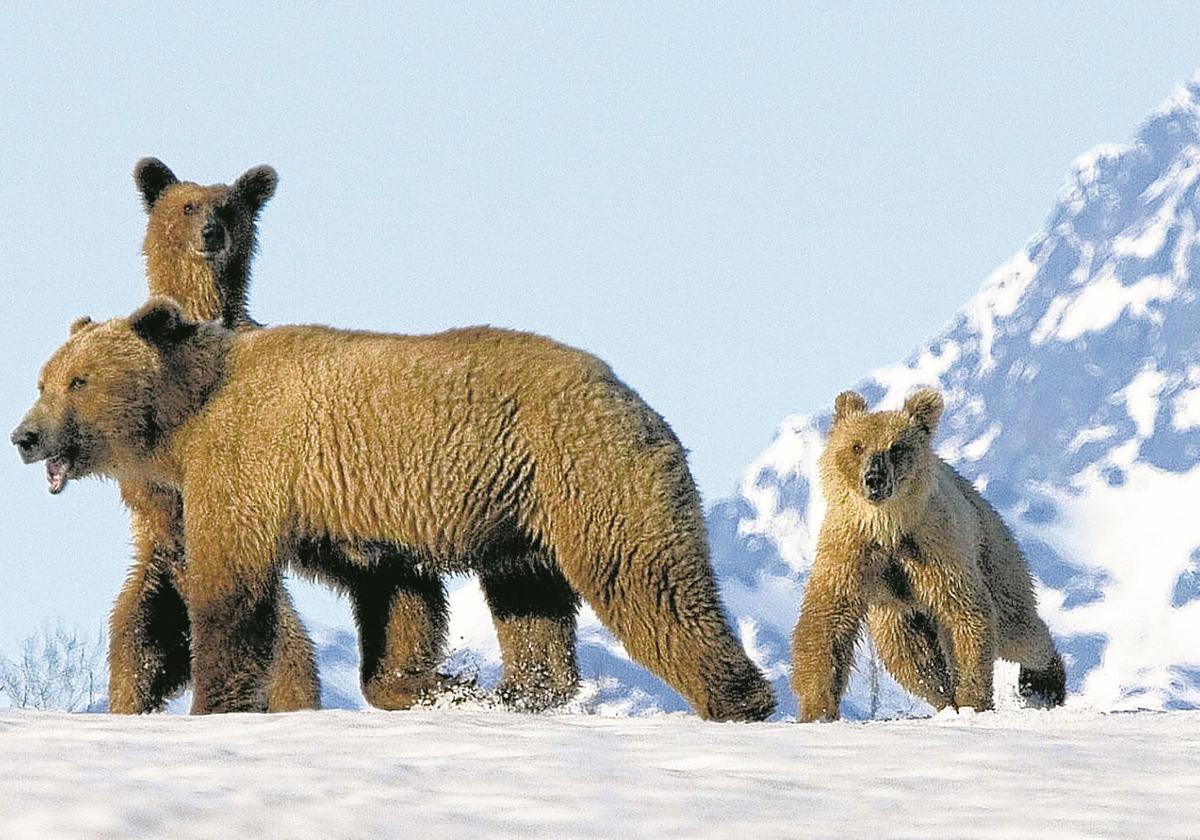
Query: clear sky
(742, 207)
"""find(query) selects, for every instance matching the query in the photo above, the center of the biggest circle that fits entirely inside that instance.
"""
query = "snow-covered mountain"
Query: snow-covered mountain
(1073, 402)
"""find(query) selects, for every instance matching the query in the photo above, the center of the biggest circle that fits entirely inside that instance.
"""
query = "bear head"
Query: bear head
(200, 239)
(115, 389)
(883, 457)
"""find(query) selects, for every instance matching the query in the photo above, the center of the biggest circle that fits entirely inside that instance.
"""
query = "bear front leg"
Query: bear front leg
(292, 680)
(974, 659)
(233, 641)
(963, 609)
(824, 638)
(908, 644)
(232, 588)
(533, 608)
(149, 657)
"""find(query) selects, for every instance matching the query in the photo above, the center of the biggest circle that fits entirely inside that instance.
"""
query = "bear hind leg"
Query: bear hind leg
(400, 613)
(1044, 688)
(664, 608)
(402, 620)
(533, 608)
(1042, 682)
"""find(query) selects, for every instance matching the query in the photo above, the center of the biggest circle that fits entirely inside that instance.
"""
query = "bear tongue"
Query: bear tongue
(56, 474)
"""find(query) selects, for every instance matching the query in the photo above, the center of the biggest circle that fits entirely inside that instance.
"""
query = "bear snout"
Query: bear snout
(28, 441)
(877, 479)
(213, 236)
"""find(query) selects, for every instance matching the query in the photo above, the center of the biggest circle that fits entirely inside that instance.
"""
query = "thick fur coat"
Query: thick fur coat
(462, 451)
(198, 247)
(912, 549)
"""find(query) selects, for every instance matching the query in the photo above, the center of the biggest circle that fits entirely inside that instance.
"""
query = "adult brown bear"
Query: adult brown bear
(466, 449)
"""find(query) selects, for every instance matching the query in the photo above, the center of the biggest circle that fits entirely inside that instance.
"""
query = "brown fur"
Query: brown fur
(150, 635)
(209, 279)
(401, 618)
(467, 448)
(149, 632)
(927, 563)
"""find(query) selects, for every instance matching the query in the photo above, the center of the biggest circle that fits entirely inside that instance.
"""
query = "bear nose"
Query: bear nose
(25, 438)
(214, 236)
(877, 477)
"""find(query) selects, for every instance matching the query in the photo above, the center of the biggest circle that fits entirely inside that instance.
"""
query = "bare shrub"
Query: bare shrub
(57, 670)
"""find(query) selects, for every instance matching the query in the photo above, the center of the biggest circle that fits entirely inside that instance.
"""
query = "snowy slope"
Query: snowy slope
(470, 773)
(1073, 401)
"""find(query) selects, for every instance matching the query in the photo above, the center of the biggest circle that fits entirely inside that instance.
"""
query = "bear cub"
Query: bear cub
(198, 246)
(200, 239)
(912, 549)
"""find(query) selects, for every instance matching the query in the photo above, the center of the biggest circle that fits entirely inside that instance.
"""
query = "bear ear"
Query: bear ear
(152, 177)
(81, 324)
(161, 323)
(847, 404)
(925, 408)
(255, 186)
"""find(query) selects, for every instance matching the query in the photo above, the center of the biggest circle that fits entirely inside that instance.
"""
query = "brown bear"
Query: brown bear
(466, 449)
(198, 245)
(911, 547)
(199, 241)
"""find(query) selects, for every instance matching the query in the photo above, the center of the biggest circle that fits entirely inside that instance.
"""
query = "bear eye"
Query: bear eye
(77, 383)
(189, 209)
(857, 448)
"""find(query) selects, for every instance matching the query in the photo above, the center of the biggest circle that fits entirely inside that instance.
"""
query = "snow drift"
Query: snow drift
(466, 773)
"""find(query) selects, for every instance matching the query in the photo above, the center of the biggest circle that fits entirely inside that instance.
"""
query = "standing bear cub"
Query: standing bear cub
(911, 547)
(464, 449)
(198, 246)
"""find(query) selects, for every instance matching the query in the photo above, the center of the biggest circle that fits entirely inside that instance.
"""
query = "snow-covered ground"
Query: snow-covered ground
(471, 772)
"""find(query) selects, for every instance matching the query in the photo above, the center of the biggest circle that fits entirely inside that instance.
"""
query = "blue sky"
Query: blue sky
(742, 208)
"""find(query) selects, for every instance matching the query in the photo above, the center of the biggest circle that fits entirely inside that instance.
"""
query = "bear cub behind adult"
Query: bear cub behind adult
(198, 246)
(909, 546)
(200, 239)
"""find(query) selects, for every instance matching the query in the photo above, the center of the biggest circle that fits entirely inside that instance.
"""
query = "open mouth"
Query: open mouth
(58, 473)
